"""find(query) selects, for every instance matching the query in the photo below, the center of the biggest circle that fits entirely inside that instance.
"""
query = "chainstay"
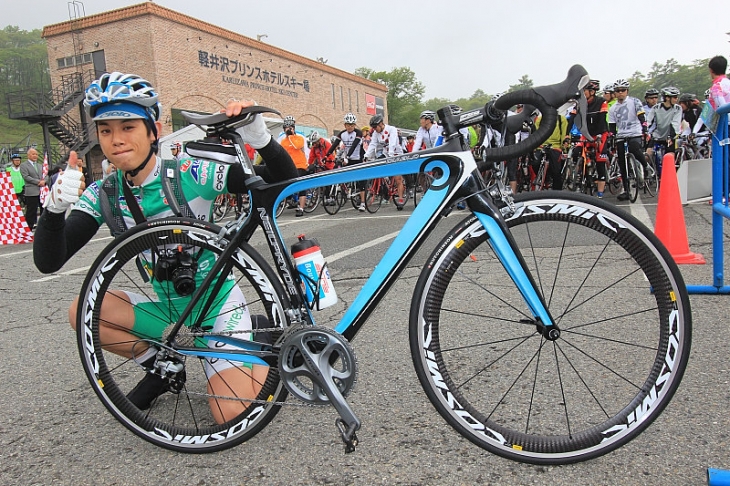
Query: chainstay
(298, 403)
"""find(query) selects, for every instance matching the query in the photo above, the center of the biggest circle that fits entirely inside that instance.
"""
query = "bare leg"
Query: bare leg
(238, 382)
(115, 322)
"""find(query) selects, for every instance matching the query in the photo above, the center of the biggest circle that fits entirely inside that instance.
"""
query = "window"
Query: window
(333, 96)
(70, 61)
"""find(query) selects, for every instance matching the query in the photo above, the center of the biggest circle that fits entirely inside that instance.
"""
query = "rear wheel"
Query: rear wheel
(198, 401)
(220, 207)
(623, 343)
(373, 195)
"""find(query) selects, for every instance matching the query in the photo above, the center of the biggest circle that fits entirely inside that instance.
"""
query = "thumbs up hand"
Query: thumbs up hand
(68, 187)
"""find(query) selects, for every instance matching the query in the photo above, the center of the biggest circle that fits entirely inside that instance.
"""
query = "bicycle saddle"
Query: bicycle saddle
(218, 122)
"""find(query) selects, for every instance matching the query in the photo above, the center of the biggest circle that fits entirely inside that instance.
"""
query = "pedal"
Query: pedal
(318, 365)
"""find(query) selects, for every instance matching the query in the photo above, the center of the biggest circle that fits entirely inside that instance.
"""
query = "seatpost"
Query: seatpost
(243, 157)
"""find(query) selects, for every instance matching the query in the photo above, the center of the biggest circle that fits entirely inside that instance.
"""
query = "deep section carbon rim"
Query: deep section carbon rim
(625, 332)
(208, 407)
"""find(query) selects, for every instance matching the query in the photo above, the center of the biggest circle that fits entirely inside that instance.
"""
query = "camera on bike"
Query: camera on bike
(179, 267)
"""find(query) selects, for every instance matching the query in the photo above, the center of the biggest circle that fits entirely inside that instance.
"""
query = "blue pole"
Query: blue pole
(718, 477)
(720, 209)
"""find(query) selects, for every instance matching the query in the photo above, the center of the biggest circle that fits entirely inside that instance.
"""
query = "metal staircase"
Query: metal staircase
(52, 110)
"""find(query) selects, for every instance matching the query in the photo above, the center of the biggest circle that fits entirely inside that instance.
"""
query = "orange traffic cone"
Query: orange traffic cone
(670, 227)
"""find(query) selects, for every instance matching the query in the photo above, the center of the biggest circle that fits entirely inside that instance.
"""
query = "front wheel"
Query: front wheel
(632, 170)
(334, 199)
(624, 323)
(651, 181)
(312, 202)
(194, 396)
(423, 182)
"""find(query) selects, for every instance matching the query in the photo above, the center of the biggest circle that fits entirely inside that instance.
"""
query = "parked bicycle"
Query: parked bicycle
(521, 350)
(383, 189)
(633, 170)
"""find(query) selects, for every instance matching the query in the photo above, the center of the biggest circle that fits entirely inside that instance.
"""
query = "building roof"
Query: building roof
(151, 8)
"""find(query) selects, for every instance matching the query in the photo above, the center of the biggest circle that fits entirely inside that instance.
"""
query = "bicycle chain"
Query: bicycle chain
(183, 336)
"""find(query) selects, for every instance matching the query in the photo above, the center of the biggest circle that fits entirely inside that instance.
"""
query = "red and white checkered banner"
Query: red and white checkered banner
(44, 189)
(13, 228)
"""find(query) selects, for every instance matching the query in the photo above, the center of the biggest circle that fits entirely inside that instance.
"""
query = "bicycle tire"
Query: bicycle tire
(423, 183)
(632, 167)
(539, 181)
(590, 181)
(280, 208)
(477, 351)
(568, 174)
(614, 177)
(184, 421)
(394, 197)
(337, 200)
(373, 195)
(651, 181)
(354, 194)
(313, 197)
(220, 207)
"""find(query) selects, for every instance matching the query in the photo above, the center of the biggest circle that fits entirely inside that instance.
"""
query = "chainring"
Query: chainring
(328, 352)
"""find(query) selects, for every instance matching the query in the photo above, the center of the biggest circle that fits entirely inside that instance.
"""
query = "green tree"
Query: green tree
(404, 97)
(523, 83)
(23, 65)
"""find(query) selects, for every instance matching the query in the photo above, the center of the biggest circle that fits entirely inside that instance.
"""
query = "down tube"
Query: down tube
(423, 218)
(511, 264)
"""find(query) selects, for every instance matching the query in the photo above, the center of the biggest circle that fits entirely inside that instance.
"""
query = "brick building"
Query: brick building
(197, 66)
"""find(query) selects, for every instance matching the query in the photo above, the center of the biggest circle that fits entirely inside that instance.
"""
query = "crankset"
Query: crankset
(318, 366)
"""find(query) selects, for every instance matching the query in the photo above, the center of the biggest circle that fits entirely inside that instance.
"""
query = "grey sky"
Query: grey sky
(457, 46)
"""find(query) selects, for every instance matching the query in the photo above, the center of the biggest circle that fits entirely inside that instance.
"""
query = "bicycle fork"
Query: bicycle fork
(506, 249)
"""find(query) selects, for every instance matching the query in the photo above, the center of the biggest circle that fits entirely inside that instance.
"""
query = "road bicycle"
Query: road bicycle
(525, 335)
(538, 182)
(225, 202)
(382, 189)
(584, 169)
(633, 168)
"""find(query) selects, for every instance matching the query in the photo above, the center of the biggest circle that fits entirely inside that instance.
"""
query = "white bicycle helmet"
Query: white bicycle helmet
(118, 96)
(428, 115)
(608, 88)
(621, 83)
(314, 137)
(289, 121)
(350, 118)
(116, 89)
(670, 91)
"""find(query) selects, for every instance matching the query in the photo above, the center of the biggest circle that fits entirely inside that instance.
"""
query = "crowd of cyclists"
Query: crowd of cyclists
(618, 122)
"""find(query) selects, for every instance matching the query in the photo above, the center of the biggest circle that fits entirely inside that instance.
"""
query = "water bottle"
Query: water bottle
(311, 265)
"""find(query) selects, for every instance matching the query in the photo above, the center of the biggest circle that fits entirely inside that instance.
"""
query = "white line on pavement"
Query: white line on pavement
(355, 249)
(60, 274)
(639, 212)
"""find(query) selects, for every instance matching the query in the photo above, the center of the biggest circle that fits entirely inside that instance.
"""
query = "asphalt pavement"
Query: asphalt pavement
(53, 430)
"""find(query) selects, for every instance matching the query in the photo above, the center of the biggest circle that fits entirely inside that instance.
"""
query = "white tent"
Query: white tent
(192, 132)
